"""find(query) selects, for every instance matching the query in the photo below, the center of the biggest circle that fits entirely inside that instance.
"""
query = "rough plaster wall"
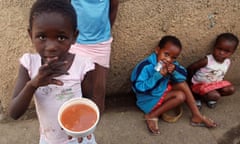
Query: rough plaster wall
(14, 42)
(139, 26)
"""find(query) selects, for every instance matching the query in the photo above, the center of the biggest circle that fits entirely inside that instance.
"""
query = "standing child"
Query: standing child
(95, 21)
(207, 74)
(159, 84)
(53, 75)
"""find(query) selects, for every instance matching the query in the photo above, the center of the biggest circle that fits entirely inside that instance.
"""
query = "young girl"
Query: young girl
(207, 74)
(53, 75)
(159, 84)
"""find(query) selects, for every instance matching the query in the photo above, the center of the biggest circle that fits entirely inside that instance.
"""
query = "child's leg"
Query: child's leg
(216, 94)
(227, 91)
(212, 96)
(189, 97)
(197, 117)
(99, 86)
(172, 99)
(94, 86)
(198, 100)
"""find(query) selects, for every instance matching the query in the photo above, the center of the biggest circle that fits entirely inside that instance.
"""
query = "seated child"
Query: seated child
(52, 75)
(159, 84)
(207, 74)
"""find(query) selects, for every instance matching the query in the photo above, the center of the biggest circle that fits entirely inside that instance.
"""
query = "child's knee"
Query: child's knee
(181, 96)
(214, 95)
(231, 90)
(227, 91)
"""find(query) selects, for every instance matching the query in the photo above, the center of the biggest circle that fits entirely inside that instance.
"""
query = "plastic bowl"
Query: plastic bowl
(74, 101)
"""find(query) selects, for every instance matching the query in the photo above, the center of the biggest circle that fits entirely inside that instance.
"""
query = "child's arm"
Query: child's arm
(178, 73)
(22, 94)
(192, 69)
(228, 67)
(113, 11)
(26, 87)
(87, 86)
(146, 79)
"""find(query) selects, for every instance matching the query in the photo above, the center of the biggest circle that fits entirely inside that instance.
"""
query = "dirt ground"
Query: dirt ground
(123, 123)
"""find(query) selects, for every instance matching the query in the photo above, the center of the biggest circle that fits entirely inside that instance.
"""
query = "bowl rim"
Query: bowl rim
(67, 103)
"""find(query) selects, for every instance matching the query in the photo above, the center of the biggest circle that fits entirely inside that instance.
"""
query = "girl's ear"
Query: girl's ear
(157, 49)
(29, 32)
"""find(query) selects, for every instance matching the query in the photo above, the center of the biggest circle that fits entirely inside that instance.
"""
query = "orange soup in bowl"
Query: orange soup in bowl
(78, 117)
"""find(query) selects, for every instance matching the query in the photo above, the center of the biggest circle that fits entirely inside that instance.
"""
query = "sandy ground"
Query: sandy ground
(124, 124)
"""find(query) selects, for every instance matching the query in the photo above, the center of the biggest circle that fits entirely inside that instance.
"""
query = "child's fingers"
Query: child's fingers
(50, 60)
(164, 71)
(56, 82)
(57, 65)
(80, 139)
(170, 68)
(54, 63)
(56, 73)
(48, 77)
(58, 68)
(53, 71)
(48, 72)
(69, 137)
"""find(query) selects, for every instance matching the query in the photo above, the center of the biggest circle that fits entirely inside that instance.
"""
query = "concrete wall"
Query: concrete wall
(139, 26)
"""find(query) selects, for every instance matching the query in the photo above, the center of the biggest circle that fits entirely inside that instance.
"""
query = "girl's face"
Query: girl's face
(223, 49)
(52, 35)
(169, 53)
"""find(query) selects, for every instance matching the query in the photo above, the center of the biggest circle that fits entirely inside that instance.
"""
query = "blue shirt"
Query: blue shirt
(93, 21)
(149, 85)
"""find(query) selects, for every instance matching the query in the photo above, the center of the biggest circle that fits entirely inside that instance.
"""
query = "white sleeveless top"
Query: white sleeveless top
(48, 99)
(212, 72)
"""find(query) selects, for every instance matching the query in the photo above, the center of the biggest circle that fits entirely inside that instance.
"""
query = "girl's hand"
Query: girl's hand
(164, 70)
(170, 68)
(50, 69)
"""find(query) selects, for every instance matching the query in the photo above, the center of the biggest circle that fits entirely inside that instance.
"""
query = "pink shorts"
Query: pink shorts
(204, 88)
(169, 87)
(100, 52)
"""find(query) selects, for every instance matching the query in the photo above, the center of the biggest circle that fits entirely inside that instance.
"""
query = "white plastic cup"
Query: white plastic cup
(74, 101)
(159, 66)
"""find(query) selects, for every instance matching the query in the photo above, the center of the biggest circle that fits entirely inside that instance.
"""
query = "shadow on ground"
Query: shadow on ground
(231, 136)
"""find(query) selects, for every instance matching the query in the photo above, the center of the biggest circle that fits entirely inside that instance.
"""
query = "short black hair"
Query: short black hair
(172, 39)
(227, 36)
(60, 6)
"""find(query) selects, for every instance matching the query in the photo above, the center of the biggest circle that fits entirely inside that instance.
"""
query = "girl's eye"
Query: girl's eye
(166, 54)
(61, 38)
(174, 58)
(227, 51)
(41, 37)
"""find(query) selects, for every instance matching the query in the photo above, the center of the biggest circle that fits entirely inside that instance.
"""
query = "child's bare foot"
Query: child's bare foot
(152, 124)
(203, 122)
